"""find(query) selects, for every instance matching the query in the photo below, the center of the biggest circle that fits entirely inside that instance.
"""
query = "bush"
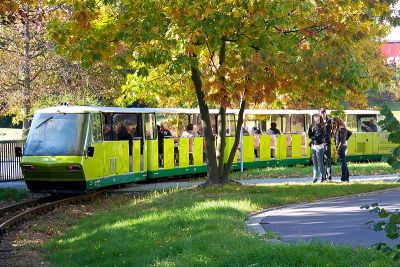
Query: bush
(390, 226)
(392, 125)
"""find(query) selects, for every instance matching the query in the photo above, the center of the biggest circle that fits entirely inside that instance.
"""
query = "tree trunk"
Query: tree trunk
(27, 73)
(225, 175)
(221, 134)
(212, 172)
(221, 141)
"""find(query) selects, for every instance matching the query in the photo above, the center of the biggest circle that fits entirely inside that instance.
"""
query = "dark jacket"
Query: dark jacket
(328, 131)
(316, 134)
(340, 138)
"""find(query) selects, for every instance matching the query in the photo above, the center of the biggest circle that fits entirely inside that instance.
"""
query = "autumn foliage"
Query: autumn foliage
(229, 53)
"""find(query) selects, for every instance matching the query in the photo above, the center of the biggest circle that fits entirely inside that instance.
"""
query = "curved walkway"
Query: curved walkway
(336, 220)
(173, 184)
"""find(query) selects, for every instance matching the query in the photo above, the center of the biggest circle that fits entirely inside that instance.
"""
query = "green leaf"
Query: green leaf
(391, 230)
(395, 218)
(395, 164)
(397, 256)
(387, 250)
(379, 245)
(383, 213)
(379, 226)
(376, 209)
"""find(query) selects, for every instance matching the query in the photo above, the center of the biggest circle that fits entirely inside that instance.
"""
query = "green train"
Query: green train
(75, 149)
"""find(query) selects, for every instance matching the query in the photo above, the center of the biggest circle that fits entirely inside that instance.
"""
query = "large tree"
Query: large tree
(234, 52)
(33, 74)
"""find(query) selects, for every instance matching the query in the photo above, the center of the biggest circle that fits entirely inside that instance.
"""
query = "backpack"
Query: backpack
(349, 133)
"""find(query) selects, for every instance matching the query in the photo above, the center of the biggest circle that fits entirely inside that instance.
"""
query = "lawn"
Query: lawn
(8, 194)
(372, 168)
(201, 227)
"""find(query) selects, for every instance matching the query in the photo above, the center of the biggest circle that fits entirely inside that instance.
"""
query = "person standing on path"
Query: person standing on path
(316, 133)
(327, 143)
(340, 135)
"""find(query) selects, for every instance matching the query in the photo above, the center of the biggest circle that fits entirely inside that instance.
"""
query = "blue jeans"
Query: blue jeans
(343, 164)
(318, 162)
(328, 161)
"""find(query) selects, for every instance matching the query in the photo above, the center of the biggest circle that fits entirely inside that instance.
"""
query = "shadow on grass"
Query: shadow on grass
(203, 227)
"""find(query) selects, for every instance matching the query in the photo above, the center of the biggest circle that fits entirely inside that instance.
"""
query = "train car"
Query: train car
(290, 147)
(75, 149)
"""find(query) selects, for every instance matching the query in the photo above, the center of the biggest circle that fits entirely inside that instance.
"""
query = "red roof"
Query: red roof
(391, 52)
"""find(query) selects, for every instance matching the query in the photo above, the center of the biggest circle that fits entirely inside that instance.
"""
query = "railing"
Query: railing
(9, 164)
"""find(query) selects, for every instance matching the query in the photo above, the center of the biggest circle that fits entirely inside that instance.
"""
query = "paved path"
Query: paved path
(337, 220)
(174, 184)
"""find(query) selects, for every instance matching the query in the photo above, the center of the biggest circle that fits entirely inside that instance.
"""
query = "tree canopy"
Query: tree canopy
(33, 74)
(233, 52)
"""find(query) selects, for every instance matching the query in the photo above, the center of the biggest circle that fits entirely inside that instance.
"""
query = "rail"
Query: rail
(9, 164)
(29, 212)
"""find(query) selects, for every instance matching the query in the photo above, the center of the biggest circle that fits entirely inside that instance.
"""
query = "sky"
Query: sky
(394, 34)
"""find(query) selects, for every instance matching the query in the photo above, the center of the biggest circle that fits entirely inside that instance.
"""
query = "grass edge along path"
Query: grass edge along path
(202, 227)
(355, 169)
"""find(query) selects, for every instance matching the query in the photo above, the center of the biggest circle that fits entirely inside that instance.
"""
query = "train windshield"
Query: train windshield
(56, 134)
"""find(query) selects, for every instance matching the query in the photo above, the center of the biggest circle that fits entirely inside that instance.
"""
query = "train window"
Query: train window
(351, 123)
(230, 124)
(278, 120)
(214, 123)
(261, 122)
(308, 121)
(183, 121)
(366, 123)
(124, 126)
(56, 134)
(297, 123)
(169, 121)
(96, 134)
(175, 123)
(286, 123)
(150, 126)
(282, 122)
(199, 125)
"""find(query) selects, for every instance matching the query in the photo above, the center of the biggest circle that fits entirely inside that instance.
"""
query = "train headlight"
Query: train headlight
(28, 167)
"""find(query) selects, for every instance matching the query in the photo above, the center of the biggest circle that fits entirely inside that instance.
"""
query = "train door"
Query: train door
(117, 142)
(94, 140)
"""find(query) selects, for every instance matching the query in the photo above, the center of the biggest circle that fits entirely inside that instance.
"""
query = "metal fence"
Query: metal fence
(9, 164)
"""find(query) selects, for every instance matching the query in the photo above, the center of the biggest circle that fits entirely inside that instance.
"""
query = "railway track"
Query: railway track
(16, 214)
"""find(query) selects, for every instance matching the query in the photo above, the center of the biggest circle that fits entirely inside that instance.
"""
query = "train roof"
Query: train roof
(296, 111)
(84, 109)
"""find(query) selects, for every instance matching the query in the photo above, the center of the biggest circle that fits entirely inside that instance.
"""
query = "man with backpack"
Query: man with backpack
(327, 143)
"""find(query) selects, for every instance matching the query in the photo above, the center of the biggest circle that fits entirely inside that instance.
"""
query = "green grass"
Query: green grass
(373, 168)
(8, 194)
(201, 227)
